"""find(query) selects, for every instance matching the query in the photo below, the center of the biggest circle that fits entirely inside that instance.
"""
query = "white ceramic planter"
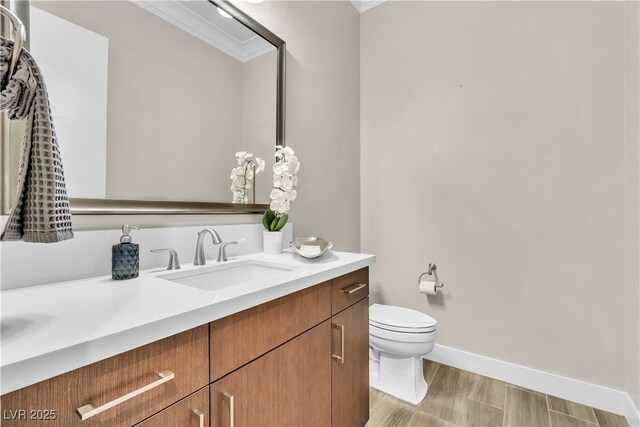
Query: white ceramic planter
(272, 242)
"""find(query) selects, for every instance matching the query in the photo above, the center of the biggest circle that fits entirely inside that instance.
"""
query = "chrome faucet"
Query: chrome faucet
(199, 258)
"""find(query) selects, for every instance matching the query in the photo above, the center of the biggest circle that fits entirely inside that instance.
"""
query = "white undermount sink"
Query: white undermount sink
(222, 276)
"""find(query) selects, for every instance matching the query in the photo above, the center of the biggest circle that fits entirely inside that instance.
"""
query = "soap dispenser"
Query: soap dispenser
(125, 256)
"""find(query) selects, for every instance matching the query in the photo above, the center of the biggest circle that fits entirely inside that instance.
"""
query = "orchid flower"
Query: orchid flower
(285, 180)
(242, 176)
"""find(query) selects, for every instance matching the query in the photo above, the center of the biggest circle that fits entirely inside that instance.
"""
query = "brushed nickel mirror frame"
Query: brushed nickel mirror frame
(151, 207)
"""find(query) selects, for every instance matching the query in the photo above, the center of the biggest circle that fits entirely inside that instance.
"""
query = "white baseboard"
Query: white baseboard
(593, 395)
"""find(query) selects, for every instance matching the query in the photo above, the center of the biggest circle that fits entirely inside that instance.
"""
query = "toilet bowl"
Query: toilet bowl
(398, 338)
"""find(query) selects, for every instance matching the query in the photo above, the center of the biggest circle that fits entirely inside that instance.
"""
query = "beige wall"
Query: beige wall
(493, 143)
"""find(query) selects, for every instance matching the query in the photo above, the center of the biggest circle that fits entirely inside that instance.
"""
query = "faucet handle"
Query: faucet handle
(174, 263)
(222, 252)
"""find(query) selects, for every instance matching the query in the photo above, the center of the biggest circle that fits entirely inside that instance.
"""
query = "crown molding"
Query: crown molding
(364, 5)
(188, 20)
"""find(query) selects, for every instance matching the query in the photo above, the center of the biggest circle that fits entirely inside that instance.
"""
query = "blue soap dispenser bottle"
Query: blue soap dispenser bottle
(125, 256)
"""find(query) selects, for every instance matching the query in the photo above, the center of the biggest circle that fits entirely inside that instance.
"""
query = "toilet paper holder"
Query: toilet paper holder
(431, 271)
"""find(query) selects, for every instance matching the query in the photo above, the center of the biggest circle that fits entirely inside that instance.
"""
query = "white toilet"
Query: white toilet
(398, 338)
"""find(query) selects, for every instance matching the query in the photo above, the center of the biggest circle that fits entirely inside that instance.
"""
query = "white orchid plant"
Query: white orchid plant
(242, 176)
(285, 180)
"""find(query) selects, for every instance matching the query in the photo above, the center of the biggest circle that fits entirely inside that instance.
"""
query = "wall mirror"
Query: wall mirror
(152, 99)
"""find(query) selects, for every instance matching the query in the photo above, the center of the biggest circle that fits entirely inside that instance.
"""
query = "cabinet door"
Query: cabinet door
(350, 366)
(192, 411)
(289, 386)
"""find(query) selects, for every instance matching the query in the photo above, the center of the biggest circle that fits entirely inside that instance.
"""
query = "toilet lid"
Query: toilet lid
(400, 318)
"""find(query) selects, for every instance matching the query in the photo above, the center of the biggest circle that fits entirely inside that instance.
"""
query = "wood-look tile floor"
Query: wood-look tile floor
(461, 398)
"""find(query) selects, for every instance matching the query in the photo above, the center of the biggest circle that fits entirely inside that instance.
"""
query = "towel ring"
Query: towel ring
(20, 36)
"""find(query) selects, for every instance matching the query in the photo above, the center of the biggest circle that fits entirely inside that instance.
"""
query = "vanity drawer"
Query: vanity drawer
(182, 359)
(349, 289)
(192, 411)
(242, 337)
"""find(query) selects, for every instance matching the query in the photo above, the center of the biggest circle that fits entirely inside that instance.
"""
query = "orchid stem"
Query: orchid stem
(254, 184)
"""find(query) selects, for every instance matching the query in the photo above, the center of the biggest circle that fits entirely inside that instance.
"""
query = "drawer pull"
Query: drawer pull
(200, 416)
(354, 288)
(88, 411)
(231, 408)
(341, 329)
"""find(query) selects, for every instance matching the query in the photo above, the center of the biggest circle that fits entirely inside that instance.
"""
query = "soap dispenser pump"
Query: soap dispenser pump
(125, 256)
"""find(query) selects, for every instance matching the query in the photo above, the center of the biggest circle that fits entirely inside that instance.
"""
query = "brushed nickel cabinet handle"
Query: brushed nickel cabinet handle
(231, 408)
(88, 411)
(341, 329)
(200, 416)
(354, 288)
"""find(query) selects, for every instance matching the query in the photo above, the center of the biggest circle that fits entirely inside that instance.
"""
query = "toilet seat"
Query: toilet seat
(400, 319)
(402, 337)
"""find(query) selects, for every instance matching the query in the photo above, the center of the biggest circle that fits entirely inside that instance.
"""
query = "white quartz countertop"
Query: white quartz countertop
(51, 329)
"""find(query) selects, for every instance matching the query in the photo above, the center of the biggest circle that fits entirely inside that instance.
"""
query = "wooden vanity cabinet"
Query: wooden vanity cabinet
(316, 378)
(299, 360)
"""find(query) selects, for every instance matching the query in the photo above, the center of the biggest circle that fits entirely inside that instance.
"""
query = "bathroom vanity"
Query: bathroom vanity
(291, 349)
